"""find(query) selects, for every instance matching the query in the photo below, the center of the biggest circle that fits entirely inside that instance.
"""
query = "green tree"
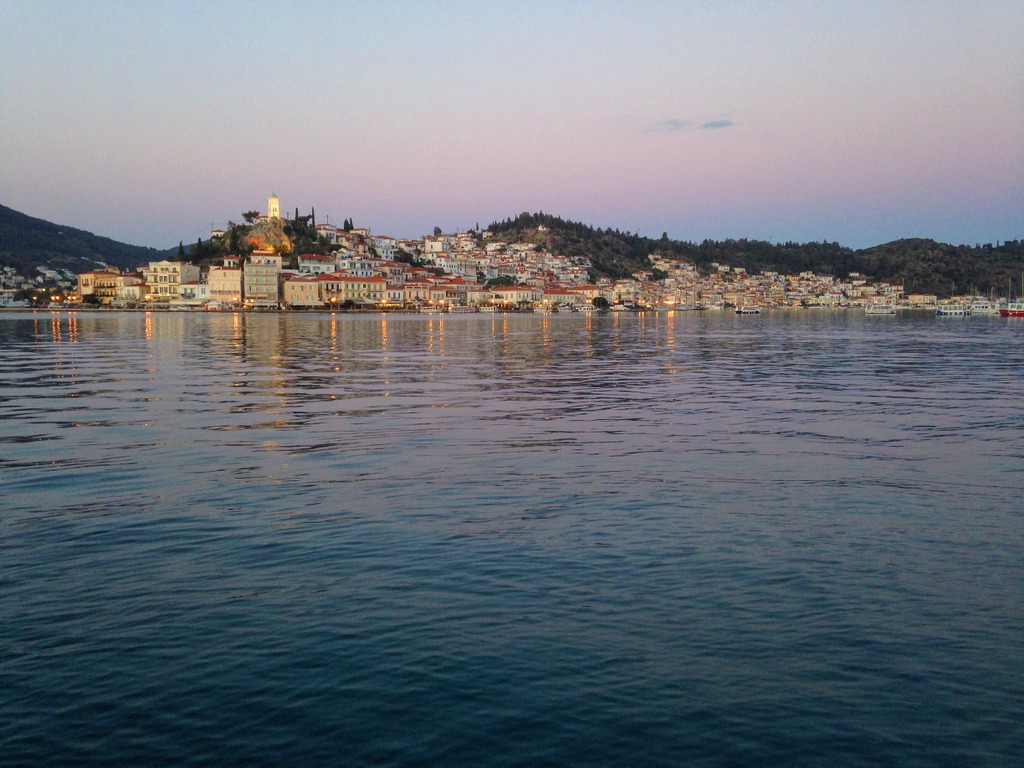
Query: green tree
(504, 281)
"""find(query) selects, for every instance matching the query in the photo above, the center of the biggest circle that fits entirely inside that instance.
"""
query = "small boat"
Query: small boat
(953, 309)
(1013, 309)
(748, 310)
(880, 308)
(984, 307)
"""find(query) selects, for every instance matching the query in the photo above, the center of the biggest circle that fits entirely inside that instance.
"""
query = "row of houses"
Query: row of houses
(261, 281)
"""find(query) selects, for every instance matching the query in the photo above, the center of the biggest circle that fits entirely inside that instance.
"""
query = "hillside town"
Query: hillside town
(356, 268)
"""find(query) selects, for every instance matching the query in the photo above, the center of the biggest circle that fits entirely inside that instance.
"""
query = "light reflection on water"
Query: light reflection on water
(511, 539)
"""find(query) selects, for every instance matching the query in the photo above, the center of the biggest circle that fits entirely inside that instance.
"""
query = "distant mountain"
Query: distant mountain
(27, 243)
(922, 266)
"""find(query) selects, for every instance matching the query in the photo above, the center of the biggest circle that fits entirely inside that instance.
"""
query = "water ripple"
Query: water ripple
(398, 540)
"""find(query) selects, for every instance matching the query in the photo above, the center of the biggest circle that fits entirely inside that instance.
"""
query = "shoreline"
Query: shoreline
(417, 311)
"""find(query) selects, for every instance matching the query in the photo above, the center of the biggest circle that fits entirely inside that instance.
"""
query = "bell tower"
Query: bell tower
(273, 207)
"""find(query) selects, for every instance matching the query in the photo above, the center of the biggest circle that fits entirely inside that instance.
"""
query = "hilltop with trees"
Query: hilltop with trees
(921, 265)
(290, 237)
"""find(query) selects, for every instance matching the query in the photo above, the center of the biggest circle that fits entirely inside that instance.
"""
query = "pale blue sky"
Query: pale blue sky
(858, 122)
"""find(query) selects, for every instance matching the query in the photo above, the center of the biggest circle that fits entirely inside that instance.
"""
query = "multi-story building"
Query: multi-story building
(394, 271)
(337, 289)
(417, 291)
(554, 297)
(260, 278)
(100, 283)
(302, 291)
(315, 264)
(385, 246)
(131, 288)
(165, 278)
(516, 295)
(225, 284)
(358, 266)
(194, 293)
(328, 232)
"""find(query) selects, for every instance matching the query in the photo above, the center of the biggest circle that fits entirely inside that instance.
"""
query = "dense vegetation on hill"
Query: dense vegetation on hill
(27, 243)
(922, 266)
(926, 266)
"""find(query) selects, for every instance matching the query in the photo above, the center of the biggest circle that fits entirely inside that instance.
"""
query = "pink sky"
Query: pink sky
(858, 122)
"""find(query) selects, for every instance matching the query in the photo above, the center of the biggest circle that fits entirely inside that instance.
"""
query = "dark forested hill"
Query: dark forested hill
(922, 266)
(925, 266)
(27, 242)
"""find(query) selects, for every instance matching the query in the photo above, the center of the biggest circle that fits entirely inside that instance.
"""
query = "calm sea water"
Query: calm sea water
(788, 539)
